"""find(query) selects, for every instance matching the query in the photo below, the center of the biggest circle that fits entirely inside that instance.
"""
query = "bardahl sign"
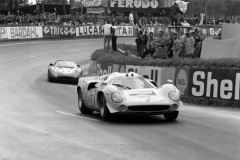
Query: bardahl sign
(134, 5)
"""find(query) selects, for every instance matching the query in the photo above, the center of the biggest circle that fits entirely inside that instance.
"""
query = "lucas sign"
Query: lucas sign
(137, 5)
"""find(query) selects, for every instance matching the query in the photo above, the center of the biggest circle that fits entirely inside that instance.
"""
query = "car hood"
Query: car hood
(144, 96)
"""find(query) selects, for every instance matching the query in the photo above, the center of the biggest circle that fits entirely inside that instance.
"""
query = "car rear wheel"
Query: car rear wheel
(82, 107)
(171, 116)
(105, 114)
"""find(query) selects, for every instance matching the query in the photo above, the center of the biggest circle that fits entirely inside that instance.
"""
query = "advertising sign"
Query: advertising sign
(182, 80)
(24, 32)
(89, 30)
(211, 31)
(98, 30)
(134, 5)
(216, 84)
(59, 31)
(88, 3)
(3, 33)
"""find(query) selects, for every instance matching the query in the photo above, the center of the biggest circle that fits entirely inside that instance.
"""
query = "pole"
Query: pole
(206, 10)
(64, 7)
(82, 13)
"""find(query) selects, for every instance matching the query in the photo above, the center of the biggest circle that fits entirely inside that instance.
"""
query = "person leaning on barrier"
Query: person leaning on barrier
(140, 41)
(107, 36)
(145, 40)
(150, 47)
(176, 46)
(189, 45)
(170, 45)
(161, 46)
(114, 35)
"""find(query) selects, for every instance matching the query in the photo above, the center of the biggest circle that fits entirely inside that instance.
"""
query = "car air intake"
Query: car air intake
(149, 108)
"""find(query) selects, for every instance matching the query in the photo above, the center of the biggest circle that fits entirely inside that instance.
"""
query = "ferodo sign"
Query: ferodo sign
(219, 84)
(137, 5)
(24, 32)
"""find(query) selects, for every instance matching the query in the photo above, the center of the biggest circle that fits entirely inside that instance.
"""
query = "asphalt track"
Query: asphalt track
(40, 120)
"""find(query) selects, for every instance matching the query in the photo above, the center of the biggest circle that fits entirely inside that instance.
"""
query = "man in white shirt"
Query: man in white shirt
(107, 36)
(131, 19)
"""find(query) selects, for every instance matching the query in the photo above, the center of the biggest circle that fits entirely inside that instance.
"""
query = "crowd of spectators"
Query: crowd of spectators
(98, 19)
(172, 45)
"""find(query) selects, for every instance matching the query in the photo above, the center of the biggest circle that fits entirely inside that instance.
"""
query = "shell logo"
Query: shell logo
(182, 81)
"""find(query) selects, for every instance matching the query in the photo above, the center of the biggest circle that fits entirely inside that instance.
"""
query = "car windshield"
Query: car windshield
(67, 64)
(136, 82)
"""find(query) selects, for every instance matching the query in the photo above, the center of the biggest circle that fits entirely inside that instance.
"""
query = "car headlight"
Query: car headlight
(173, 95)
(54, 73)
(116, 97)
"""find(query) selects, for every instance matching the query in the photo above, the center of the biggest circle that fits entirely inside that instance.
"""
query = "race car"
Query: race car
(127, 93)
(64, 70)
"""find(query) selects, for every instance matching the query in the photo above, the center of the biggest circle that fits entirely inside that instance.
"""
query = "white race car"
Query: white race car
(64, 71)
(127, 93)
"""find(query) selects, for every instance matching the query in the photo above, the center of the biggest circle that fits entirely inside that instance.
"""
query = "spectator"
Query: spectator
(145, 39)
(161, 51)
(107, 36)
(175, 14)
(201, 18)
(150, 45)
(183, 39)
(176, 46)
(197, 37)
(189, 45)
(140, 41)
(131, 19)
(114, 34)
(170, 45)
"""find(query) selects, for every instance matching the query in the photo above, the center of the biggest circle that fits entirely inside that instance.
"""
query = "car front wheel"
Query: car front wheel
(82, 107)
(105, 114)
(171, 116)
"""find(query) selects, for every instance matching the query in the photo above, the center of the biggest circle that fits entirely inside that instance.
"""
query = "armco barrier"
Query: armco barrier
(54, 31)
(192, 82)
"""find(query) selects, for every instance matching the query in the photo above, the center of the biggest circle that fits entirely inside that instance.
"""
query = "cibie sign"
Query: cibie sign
(130, 5)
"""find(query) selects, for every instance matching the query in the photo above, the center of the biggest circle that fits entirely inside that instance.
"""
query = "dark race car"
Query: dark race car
(63, 70)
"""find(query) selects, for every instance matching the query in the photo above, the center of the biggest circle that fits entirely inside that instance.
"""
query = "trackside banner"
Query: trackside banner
(215, 84)
(24, 32)
(3, 33)
(134, 5)
(59, 31)
(98, 30)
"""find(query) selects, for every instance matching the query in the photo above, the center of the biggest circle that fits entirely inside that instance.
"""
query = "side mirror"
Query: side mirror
(51, 64)
(78, 65)
(146, 76)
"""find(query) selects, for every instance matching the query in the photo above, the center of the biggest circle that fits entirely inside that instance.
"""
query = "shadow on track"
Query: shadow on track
(132, 119)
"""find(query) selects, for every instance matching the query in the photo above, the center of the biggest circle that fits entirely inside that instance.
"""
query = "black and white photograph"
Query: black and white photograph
(119, 80)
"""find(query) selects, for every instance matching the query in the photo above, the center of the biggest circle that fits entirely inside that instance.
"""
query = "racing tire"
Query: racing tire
(105, 114)
(81, 106)
(49, 77)
(172, 116)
